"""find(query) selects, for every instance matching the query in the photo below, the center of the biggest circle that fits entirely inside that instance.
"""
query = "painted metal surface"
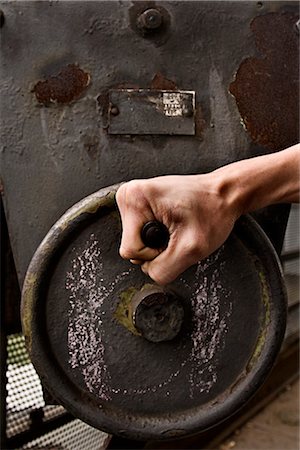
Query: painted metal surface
(59, 60)
(77, 295)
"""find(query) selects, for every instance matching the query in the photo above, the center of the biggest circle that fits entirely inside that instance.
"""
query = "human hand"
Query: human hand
(198, 210)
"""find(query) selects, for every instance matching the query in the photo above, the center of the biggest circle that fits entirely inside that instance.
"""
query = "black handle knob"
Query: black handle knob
(155, 234)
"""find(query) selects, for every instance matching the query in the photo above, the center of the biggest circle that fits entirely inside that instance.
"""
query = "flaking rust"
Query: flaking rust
(266, 89)
(123, 312)
(63, 88)
(159, 81)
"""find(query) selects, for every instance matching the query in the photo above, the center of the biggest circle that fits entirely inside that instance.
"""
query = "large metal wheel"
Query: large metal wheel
(77, 306)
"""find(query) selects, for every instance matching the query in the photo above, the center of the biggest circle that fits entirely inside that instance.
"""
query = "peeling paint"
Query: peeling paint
(160, 82)
(27, 307)
(266, 89)
(123, 313)
(265, 320)
(65, 87)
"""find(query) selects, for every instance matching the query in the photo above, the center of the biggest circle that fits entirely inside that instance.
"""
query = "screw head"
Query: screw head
(151, 19)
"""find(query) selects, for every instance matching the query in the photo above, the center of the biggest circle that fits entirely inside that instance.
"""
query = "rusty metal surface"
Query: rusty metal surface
(266, 87)
(65, 87)
(114, 378)
(54, 154)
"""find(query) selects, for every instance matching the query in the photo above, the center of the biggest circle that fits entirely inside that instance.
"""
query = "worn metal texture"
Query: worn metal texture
(65, 87)
(59, 60)
(139, 111)
(157, 313)
(77, 290)
(266, 88)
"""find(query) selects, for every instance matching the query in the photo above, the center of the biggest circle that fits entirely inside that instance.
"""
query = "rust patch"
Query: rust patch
(68, 85)
(266, 89)
(160, 82)
(200, 122)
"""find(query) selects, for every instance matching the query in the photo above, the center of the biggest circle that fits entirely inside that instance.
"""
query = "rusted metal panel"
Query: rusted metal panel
(151, 112)
(266, 87)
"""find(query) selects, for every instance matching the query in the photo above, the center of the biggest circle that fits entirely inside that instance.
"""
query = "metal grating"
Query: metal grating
(291, 246)
(25, 398)
(76, 435)
(24, 391)
(292, 235)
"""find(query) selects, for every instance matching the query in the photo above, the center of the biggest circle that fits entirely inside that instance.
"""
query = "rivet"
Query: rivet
(187, 112)
(114, 110)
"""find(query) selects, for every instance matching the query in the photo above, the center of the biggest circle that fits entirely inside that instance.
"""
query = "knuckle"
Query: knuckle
(132, 194)
(192, 249)
(127, 253)
(119, 195)
(133, 187)
(158, 276)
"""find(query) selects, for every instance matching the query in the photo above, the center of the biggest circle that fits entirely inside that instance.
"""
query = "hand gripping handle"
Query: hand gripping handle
(155, 234)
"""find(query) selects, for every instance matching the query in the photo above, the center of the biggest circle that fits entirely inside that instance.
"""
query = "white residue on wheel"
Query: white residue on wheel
(85, 335)
(87, 295)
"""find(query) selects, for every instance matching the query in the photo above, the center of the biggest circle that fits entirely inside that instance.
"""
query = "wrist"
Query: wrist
(264, 180)
(230, 190)
(222, 190)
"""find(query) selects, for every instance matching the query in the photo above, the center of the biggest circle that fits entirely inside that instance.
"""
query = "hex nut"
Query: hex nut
(150, 20)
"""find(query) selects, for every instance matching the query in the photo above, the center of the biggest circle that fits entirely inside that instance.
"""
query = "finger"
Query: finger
(132, 246)
(144, 268)
(137, 261)
(172, 262)
(134, 214)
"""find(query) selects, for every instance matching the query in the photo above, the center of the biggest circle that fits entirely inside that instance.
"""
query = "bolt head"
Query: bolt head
(157, 314)
(151, 19)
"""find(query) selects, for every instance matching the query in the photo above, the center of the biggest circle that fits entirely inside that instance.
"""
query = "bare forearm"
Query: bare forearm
(193, 207)
(257, 182)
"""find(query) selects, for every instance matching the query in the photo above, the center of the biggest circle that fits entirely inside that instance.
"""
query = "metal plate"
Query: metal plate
(74, 305)
(146, 111)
